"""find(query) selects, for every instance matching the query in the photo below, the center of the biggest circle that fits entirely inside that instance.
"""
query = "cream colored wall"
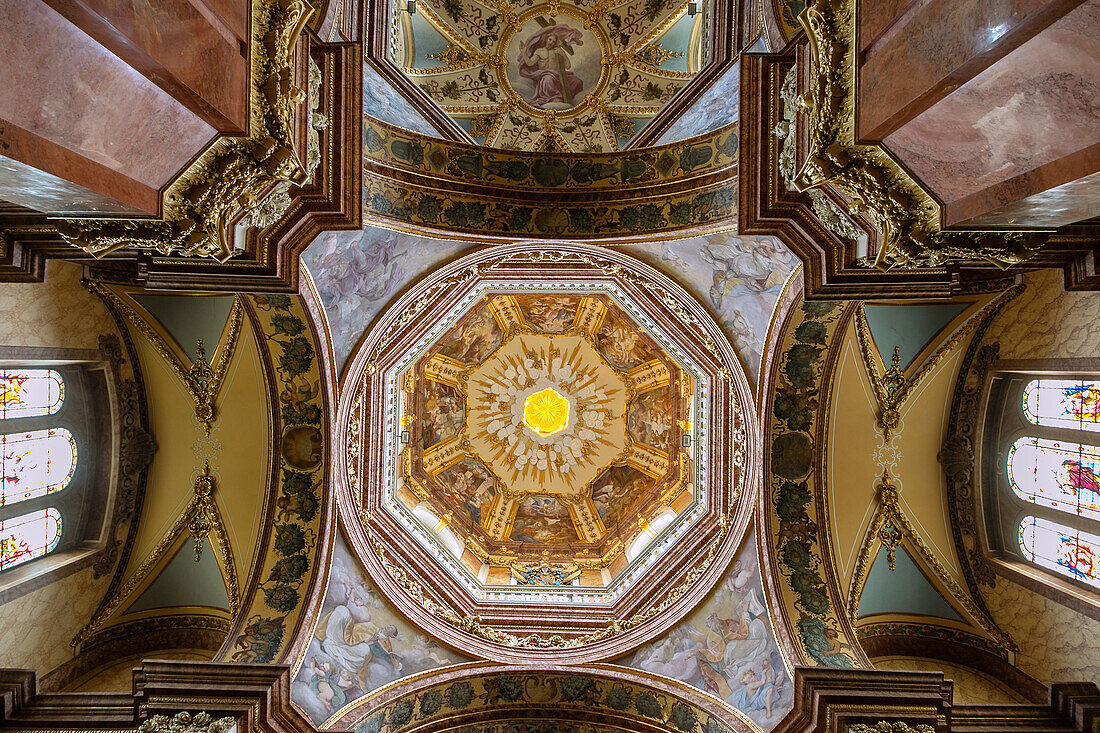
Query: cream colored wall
(1056, 643)
(1045, 322)
(971, 687)
(58, 312)
(36, 628)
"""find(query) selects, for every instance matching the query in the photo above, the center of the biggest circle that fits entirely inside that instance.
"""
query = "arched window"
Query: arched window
(44, 476)
(1045, 504)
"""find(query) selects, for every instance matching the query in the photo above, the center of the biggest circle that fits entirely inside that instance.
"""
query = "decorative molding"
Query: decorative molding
(286, 569)
(200, 518)
(794, 521)
(906, 214)
(420, 184)
(473, 625)
(897, 726)
(444, 603)
(257, 698)
(230, 177)
(184, 722)
(893, 389)
(202, 379)
(890, 528)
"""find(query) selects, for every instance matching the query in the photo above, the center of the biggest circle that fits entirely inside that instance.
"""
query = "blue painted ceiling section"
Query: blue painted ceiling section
(189, 318)
(902, 590)
(909, 326)
(184, 582)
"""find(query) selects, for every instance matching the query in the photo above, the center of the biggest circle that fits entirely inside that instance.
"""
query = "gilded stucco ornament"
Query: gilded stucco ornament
(185, 722)
(230, 177)
(897, 726)
(908, 217)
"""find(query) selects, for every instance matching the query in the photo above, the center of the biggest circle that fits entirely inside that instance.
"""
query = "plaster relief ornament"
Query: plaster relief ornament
(546, 435)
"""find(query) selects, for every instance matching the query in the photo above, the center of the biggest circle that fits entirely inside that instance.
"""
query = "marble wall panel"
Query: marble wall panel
(59, 84)
(35, 628)
(726, 647)
(358, 273)
(1034, 109)
(971, 687)
(58, 313)
(716, 107)
(1057, 644)
(738, 279)
(1046, 323)
(360, 643)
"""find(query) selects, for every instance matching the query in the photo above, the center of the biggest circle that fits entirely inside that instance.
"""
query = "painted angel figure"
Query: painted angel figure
(544, 61)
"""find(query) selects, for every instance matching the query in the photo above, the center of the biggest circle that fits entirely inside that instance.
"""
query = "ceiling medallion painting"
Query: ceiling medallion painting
(559, 442)
(581, 77)
(548, 427)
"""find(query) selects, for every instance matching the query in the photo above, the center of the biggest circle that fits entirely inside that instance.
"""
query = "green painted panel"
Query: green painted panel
(184, 582)
(902, 590)
(190, 317)
(909, 326)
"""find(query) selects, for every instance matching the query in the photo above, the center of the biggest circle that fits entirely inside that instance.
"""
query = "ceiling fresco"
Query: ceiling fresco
(547, 426)
(548, 441)
(521, 75)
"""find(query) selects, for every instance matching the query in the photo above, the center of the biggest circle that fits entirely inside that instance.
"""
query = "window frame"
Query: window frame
(1000, 510)
(89, 414)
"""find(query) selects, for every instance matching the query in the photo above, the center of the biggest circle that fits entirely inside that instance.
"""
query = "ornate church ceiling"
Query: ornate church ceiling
(524, 75)
(548, 425)
(553, 429)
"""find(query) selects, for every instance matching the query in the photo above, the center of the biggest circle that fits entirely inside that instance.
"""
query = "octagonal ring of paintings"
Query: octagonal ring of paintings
(543, 444)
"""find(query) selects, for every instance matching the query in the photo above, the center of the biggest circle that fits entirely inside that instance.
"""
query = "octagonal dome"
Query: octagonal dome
(580, 76)
(559, 435)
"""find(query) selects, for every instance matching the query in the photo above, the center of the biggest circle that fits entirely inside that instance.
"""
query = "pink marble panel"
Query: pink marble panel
(60, 85)
(933, 47)
(1039, 106)
(193, 55)
(21, 184)
(1066, 204)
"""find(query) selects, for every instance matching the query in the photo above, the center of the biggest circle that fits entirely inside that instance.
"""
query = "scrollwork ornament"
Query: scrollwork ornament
(897, 726)
(229, 179)
(184, 722)
(905, 213)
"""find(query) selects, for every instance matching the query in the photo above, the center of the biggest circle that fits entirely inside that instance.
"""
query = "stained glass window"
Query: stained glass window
(1064, 550)
(1063, 403)
(28, 536)
(30, 392)
(35, 463)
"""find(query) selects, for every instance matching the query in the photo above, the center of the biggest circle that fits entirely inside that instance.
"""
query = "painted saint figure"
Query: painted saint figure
(544, 61)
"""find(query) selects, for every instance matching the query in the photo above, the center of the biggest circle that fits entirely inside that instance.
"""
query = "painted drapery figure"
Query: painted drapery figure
(544, 61)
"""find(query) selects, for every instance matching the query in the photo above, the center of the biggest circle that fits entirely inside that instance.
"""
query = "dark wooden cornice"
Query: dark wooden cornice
(258, 698)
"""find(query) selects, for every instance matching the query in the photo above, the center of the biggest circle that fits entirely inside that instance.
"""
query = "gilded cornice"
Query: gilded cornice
(907, 215)
(231, 176)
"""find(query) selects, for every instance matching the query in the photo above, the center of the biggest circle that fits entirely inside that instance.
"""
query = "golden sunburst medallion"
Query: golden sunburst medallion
(546, 412)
